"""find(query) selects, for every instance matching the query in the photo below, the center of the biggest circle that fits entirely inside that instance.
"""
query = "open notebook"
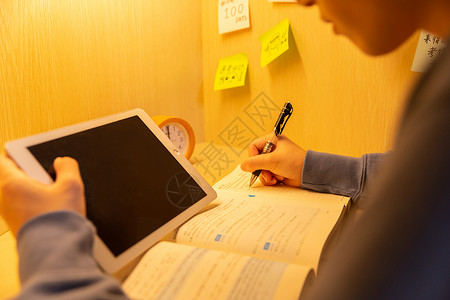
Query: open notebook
(250, 243)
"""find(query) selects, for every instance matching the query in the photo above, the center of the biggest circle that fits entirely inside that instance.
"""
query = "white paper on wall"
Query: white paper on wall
(428, 49)
(233, 15)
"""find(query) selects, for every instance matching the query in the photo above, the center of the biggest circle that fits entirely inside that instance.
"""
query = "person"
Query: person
(396, 241)
(395, 244)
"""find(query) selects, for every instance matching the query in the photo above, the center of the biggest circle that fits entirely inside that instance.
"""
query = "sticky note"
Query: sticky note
(429, 47)
(231, 72)
(233, 15)
(274, 42)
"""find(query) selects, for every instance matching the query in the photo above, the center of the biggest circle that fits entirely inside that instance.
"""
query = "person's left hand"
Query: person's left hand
(23, 198)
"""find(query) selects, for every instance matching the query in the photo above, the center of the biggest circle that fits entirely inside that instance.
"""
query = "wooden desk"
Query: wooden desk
(9, 275)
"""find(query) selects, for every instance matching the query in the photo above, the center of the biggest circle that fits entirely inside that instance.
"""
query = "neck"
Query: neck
(435, 17)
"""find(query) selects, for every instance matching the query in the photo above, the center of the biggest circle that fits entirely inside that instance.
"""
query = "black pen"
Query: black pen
(284, 116)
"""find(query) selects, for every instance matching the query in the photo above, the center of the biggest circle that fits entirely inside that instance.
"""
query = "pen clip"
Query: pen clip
(286, 111)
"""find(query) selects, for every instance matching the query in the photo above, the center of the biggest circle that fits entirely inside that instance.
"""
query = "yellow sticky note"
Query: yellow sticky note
(231, 72)
(274, 42)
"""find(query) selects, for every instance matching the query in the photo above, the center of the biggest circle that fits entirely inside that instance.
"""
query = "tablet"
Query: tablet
(138, 187)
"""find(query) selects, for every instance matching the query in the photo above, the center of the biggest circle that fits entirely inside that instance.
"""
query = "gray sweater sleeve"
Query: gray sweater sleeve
(56, 261)
(342, 175)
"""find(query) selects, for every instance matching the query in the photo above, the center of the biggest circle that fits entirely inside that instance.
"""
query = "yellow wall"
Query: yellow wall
(66, 62)
(344, 101)
(62, 62)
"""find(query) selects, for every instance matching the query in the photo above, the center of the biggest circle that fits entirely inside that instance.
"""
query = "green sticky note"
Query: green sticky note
(274, 42)
(231, 72)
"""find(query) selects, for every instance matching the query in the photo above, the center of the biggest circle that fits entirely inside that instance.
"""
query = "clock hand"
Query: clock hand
(168, 132)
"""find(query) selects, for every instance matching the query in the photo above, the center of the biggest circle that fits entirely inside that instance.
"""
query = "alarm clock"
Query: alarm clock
(179, 132)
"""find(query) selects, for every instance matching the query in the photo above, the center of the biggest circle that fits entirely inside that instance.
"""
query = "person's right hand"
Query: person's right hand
(283, 164)
(23, 198)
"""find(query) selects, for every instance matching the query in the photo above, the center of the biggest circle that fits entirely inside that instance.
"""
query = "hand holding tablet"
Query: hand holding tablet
(137, 186)
(25, 198)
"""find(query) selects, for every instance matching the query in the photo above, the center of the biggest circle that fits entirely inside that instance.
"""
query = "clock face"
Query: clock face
(178, 135)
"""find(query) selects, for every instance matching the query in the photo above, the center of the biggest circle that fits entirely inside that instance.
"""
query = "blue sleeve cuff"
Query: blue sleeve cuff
(56, 260)
(56, 240)
(331, 173)
(341, 175)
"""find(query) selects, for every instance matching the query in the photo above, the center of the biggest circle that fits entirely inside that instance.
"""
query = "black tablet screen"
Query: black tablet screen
(133, 184)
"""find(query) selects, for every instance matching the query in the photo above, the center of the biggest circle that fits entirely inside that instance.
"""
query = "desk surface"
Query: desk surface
(9, 276)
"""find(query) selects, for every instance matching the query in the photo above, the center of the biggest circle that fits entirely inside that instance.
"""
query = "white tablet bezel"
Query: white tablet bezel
(18, 151)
